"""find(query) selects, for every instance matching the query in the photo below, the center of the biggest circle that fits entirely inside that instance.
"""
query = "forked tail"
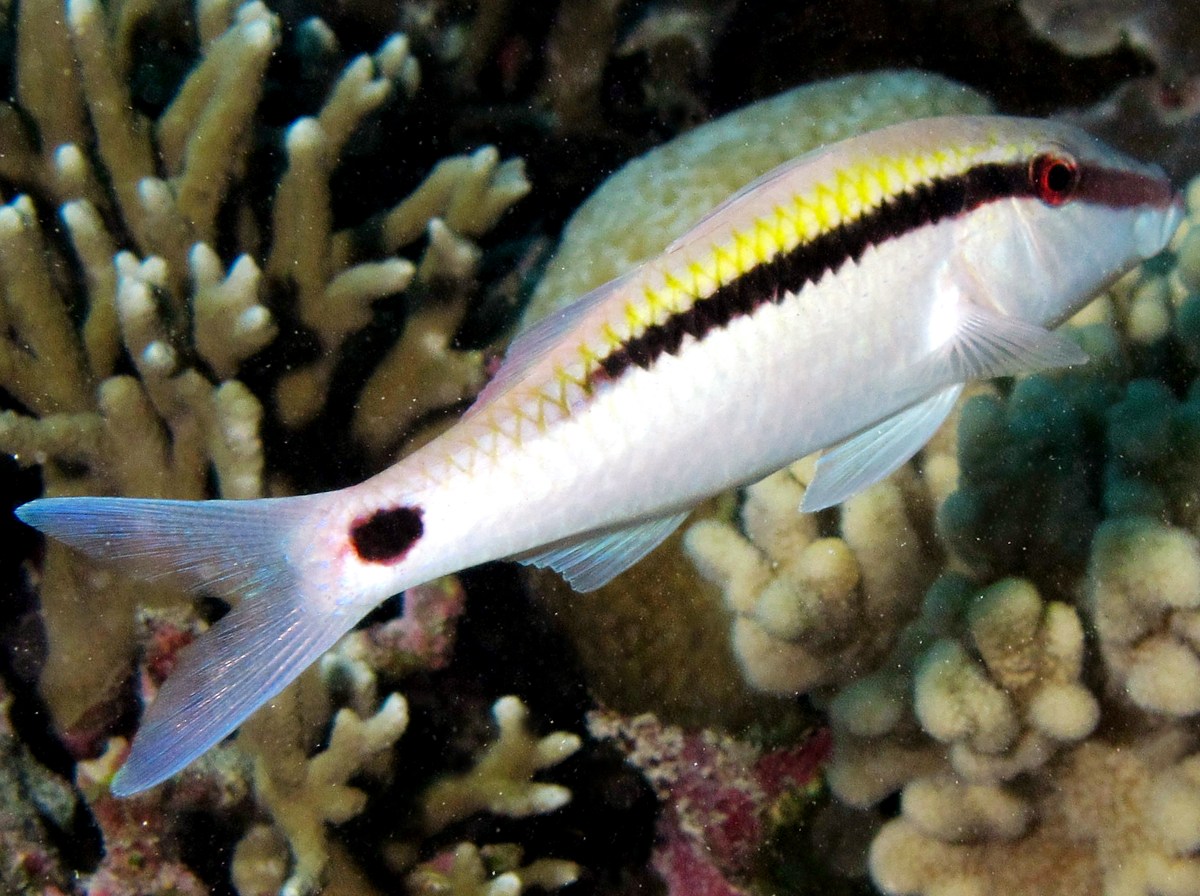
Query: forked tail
(292, 606)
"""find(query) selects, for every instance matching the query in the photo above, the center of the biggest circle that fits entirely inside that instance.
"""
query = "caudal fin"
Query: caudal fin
(289, 611)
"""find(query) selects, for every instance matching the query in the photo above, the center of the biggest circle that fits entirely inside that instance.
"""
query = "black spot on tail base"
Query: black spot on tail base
(386, 535)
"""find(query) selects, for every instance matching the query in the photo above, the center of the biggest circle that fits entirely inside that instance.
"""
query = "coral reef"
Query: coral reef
(143, 396)
(1036, 715)
(33, 804)
(200, 298)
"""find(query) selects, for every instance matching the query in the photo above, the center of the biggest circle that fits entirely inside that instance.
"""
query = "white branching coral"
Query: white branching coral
(502, 779)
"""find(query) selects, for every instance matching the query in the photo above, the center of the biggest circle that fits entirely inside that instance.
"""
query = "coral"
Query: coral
(982, 686)
(421, 638)
(1162, 29)
(1103, 818)
(35, 808)
(1154, 116)
(495, 870)
(719, 797)
(128, 380)
(1144, 598)
(811, 611)
(141, 849)
(303, 793)
(501, 779)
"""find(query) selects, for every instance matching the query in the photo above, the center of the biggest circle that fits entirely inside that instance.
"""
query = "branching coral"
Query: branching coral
(303, 793)
(501, 780)
(127, 379)
(492, 871)
(1144, 598)
(981, 687)
(1125, 815)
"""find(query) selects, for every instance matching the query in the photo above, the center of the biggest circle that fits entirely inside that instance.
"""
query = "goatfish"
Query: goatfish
(838, 303)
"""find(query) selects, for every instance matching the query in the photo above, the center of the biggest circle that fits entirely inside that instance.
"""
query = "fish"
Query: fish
(839, 304)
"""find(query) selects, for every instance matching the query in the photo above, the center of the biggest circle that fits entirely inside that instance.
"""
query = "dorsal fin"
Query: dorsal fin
(531, 346)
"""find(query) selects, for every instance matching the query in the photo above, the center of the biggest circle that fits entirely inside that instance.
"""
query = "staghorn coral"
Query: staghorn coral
(501, 779)
(303, 791)
(467, 870)
(182, 283)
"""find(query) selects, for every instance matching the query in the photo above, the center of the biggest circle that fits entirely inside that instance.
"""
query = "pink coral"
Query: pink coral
(139, 857)
(717, 794)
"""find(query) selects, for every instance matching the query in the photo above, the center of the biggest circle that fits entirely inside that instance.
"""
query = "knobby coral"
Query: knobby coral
(1037, 713)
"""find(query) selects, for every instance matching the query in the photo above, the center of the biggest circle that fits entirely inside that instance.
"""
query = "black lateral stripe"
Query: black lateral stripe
(789, 272)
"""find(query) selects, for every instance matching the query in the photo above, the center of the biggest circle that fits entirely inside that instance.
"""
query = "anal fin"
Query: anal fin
(874, 453)
(596, 560)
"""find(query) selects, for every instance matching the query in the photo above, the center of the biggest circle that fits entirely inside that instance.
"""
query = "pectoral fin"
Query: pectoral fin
(986, 343)
(873, 454)
(593, 562)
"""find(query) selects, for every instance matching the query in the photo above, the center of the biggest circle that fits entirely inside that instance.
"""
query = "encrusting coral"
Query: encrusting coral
(128, 381)
(722, 798)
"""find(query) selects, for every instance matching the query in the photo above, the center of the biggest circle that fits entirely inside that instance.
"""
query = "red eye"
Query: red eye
(1053, 178)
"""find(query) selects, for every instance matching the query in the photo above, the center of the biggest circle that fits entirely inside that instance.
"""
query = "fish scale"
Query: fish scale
(838, 303)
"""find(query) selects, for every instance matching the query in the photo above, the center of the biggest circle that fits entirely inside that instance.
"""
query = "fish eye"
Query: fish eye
(1053, 177)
